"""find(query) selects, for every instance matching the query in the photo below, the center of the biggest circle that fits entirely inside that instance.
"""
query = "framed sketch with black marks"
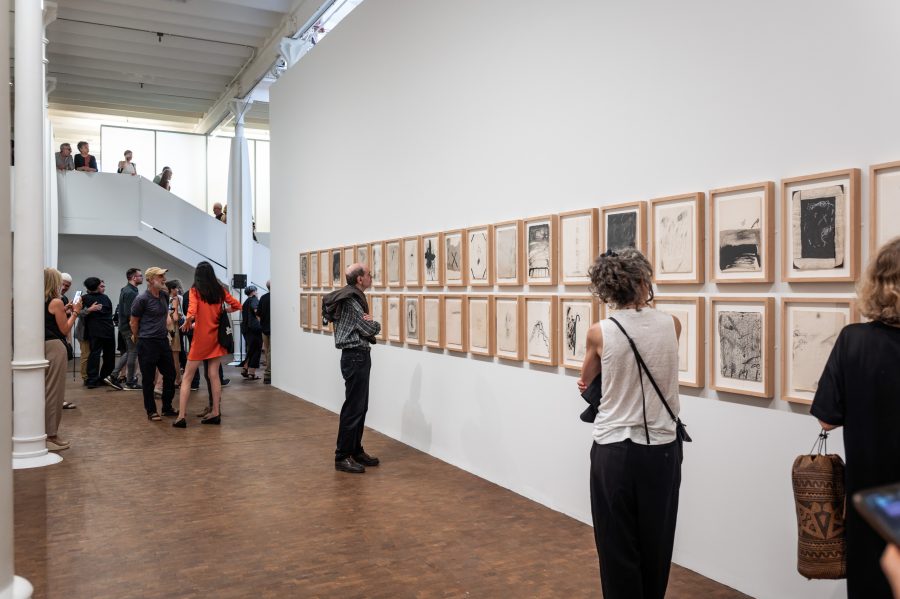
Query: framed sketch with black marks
(376, 311)
(325, 268)
(432, 320)
(393, 262)
(412, 268)
(337, 268)
(541, 249)
(362, 255)
(479, 262)
(623, 226)
(742, 345)
(691, 314)
(809, 329)
(313, 263)
(507, 316)
(376, 255)
(821, 227)
(479, 333)
(742, 219)
(455, 322)
(315, 318)
(304, 270)
(412, 319)
(304, 311)
(454, 259)
(540, 332)
(676, 239)
(509, 253)
(576, 315)
(884, 204)
(432, 255)
(394, 317)
(349, 258)
(577, 245)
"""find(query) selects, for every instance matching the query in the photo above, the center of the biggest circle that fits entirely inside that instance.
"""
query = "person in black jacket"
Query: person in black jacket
(101, 332)
(128, 358)
(251, 329)
(264, 311)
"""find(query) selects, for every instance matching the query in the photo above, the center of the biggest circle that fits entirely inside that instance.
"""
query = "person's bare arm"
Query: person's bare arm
(65, 319)
(828, 427)
(135, 323)
(890, 563)
(591, 366)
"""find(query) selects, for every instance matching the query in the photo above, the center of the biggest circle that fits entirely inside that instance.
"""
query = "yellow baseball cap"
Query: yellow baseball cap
(154, 271)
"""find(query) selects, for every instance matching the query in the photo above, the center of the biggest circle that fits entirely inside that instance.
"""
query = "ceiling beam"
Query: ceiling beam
(182, 12)
(130, 52)
(97, 67)
(110, 80)
(89, 108)
(131, 63)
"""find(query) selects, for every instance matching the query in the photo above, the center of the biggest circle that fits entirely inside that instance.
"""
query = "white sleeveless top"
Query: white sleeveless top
(129, 168)
(621, 412)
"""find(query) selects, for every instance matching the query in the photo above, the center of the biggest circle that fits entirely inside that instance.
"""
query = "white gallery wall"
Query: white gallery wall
(416, 117)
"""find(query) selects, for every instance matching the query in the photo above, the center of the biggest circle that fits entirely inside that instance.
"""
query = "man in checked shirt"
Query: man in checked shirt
(354, 333)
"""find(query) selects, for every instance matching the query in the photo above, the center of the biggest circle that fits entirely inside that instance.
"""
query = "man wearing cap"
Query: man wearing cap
(252, 332)
(149, 312)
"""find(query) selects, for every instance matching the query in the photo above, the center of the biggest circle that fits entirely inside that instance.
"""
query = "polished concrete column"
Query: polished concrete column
(29, 364)
(240, 198)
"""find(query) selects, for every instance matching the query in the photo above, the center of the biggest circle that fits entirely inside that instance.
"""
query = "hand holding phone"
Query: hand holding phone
(77, 299)
(881, 509)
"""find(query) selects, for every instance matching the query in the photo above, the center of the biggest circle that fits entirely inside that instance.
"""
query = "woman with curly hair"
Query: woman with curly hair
(858, 390)
(635, 457)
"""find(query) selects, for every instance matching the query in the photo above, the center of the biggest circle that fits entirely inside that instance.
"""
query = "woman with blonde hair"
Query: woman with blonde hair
(57, 325)
(859, 391)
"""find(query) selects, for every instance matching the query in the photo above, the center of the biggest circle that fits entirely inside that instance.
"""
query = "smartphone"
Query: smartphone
(77, 297)
(881, 509)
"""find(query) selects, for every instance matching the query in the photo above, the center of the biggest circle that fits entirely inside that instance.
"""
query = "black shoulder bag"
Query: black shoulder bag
(226, 337)
(680, 428)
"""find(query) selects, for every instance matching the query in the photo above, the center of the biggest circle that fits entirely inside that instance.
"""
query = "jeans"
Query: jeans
(356, 364)
(153, 355)
(128, 360)
(95, 372)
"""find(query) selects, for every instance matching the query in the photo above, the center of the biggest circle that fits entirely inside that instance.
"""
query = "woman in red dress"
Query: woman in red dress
(206, 299)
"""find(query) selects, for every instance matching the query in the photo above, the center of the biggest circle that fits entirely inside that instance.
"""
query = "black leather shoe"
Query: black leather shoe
(350, 465)
(180, 423)
(170, 413)
(366, 459)
(212, 420)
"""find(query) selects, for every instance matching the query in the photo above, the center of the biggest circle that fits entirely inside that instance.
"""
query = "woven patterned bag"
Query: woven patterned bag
(821, 501)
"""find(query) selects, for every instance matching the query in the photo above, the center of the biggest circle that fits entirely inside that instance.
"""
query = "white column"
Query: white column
(240, 198)
(29, 364)
(51, 210)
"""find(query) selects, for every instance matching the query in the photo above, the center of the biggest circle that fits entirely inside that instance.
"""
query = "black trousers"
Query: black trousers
(107, 348)
(254, 349)
(634, 504)
(356, 364)
(153, 355)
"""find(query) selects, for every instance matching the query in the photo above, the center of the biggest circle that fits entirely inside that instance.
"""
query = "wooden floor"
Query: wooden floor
(254, 508)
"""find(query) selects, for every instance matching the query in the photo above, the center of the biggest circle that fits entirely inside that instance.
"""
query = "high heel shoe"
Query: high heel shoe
(212, 420)
(180, 423)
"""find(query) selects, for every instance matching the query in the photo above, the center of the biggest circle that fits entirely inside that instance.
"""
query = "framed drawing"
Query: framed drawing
(742, 348)
(540, 249)
(576, 314)
(412, 319)
(412, 269)
(313, 275)
(325, 268)
(315, 321)
(509, 253)
(394, 318)
(540, 329)
(337, 268)
(676, 239)
(304, 270)
(884, 200)
(809, 328)
(304, 311)
(478, 256)
(455, 322)
(362, 255)
(690, 312)
(393, 262)
(454, 258)
(348, 259)
(376, 310)
(742, 248)
(821, 222)
(376, 254)
(478, 332)
(432, 255)
(577, 245)
(432, 320)
(507, 315)
(623, 226)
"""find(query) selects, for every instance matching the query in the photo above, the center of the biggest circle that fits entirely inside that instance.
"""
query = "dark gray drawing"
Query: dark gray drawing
(431, 270)
(817, 228)
(453, 245)
(412, 319)
(621, 230)
(336, 266)
(539, 251)
(304, 269)
(478, 261)
(377, 264)
(572, 320)
(739, 249)
(740, 342)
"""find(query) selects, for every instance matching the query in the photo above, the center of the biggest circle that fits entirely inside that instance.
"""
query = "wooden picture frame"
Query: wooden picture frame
(393, 307)
(509, 253)
(677, 239)
(304, 270)
(742, 233)
(315, 322)
(809, 328)
(376, 253)
(412, 261)
(541, 251)
(691, 313)
(540, 329)
(325, 269)
(884, 192)
(377, 311)
(433, 321)
(745, 326)
(578, 243)
(577, 313)
(507, 315)
(820, 239)
(362, 254)
(454, 262)
(479, 332)
(412, 319)
(623, 225)
(393, 263)
(455, 323)
(432, 258)
(480, 256)
(303, 311)
(313, 270)
(348, 258)
(337, 268)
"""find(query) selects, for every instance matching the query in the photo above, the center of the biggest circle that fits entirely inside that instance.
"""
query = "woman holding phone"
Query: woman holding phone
(58, 323)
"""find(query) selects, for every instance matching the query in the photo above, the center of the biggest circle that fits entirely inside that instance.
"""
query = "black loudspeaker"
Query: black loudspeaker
(239, 282)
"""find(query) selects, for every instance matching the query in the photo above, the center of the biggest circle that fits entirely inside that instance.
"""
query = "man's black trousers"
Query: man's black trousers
(254, 349)
(634, 504)
(95, 372)
(356, 363)
(153, 355)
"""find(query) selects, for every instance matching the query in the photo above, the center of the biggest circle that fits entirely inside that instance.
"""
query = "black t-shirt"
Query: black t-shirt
(79, 161)
(99, 324)
(249, 320)
(265, 313)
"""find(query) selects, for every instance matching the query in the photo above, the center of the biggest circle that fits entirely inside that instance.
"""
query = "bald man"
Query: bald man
(354, 334)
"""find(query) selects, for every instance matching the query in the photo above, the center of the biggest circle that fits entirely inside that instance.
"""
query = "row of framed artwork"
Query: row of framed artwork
(821, 239)
(552, 330)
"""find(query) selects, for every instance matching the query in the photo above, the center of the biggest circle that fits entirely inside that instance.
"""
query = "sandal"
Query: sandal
(252, 377)
(154, 416)
(67, 405)
(245, 374)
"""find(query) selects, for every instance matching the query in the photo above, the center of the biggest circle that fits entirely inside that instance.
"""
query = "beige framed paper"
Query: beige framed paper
(325, 269)
(742, 345)
(623, 226)
(742, 220)
(454, 262)
(394, 318)
(541, 234)
(337, 268)
(313, 262)
(508, 316)
(809, 329)
(315, 322)
(433, 320)
(577, 245)
(432, 256)
(690, 312)
(376, 310)
(412, 268)
(304, 270)
(509, 253)
(348, 259)
(412, 319)
(362, 255)
(576, 315)
(820, 242)
(393, 262)
(676, 239)
(540, 332)
(376, 255)
(479, 259)
(455, 322)
(479, 338)
(304, 311)
(884, 204)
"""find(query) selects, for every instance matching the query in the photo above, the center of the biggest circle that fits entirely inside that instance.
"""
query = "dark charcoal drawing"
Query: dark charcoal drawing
(336, 266)
(572, 320)
(431, 271)
(454, 256)
(304, 269)
(412, 319)
(817, 228)
(539, 251)
(739, 249)
(478, 256)
(740, 342)
(621, 230)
